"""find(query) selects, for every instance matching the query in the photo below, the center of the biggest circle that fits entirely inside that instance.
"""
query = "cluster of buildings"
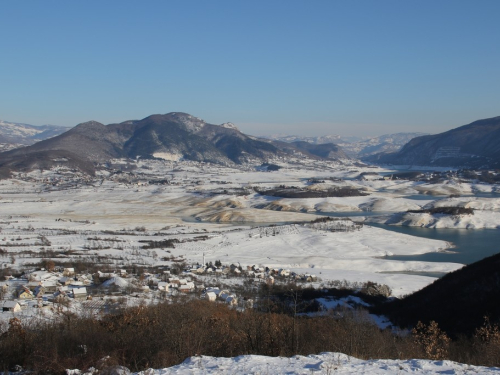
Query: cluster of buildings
(43, 288)
(46, 285)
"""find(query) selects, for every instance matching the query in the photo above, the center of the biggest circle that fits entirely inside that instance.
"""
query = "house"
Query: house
(64, 290)
(79, 293)
(163, 286)
(102, 275)
(39, 291)
(50, 285)
(234, 267)
(214, 290)
(224, 294)
(85, 279)
(12, 306)
(211, 296)
(32, 285)
(284, 273)
(199, 270)
(39, 275)
(174, 280)
(309, 278)
(65, 280)
(186, 288)
(69, 272)
(25, 293)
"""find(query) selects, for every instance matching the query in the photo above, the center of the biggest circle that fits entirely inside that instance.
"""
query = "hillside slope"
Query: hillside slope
(474, 145)
(458, 302)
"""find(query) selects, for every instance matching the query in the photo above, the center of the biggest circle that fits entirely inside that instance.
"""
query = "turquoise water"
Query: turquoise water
(471, 245)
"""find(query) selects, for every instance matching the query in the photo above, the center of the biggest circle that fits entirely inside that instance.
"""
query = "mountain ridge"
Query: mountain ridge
(177, 134)
(14, 134)
(475, 145)
(356, 147)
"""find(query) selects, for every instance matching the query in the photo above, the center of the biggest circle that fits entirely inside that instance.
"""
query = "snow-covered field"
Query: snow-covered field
(108, 216)
(486, 215)
(324, 363)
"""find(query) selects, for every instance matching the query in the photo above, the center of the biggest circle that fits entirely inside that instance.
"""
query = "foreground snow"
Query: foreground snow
(324, 363)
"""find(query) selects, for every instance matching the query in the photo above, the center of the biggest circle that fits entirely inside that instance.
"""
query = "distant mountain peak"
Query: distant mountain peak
(14, 135)
(89, 128)
(91, 123)
(192, 124)
(229, 125)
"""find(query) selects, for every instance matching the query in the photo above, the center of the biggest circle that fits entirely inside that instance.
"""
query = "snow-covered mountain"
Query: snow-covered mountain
(172, 136)
(355, 146)
(374, 145)
(314, 140)
(475, 145)
(14, 135)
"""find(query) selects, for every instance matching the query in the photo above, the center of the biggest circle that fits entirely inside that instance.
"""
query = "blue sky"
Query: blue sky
(274, 66)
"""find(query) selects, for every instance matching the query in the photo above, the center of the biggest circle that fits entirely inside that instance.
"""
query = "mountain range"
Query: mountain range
(13, 135)
(355, 147)
(177, 135)
(172, 136)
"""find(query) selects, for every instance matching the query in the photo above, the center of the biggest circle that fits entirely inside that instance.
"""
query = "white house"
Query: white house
(79, 293)
(186, 288)
(211, 296)
(12, 306)
(163, 286)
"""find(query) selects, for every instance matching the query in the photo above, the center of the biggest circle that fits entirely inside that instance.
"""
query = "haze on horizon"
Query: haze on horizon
(293, 67)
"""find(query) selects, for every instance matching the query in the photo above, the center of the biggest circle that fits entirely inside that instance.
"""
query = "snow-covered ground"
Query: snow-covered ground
(486, 215)
(324, 363)
(479, 220)
(109, 215)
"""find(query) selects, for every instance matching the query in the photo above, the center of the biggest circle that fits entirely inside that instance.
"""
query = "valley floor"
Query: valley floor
(120, 212)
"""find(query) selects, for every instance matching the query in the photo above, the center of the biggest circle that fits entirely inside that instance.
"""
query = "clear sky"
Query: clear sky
(315, 67)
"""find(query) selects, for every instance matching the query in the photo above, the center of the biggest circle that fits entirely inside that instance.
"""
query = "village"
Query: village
(56, 289)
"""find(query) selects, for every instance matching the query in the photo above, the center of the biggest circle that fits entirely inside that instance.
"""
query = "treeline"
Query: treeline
(168, 243)
(458, 302)
(445, 211)
(166, 334)
(296, 192)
